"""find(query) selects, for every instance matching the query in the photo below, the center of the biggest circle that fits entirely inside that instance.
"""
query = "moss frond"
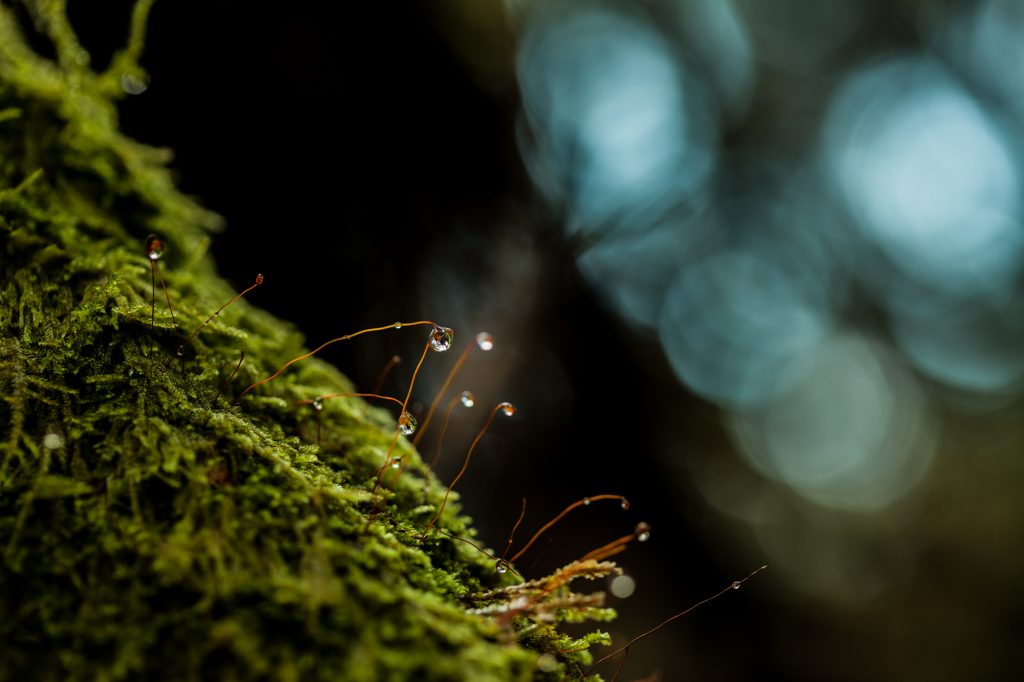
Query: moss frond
(150, 528)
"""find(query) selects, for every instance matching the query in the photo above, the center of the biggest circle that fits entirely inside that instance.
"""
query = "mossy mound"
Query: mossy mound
(148, 527)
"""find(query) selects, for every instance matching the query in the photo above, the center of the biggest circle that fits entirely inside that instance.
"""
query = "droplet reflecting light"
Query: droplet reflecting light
(154, 247)
(441, 338)
(642, 532)
(485, 341)
(407, 424)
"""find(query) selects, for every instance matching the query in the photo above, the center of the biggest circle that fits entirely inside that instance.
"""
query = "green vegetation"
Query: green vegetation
(148, 527)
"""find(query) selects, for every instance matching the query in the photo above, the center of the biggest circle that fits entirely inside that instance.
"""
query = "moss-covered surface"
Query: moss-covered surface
(148, 527)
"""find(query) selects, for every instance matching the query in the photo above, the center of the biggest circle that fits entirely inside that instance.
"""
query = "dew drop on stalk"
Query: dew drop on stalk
(396, 462)
(485, 341)
(181, 350)
(642, 532)
(501, 566)
(736, 584)
(441, 338)
(318, 404)
(154, 247)
(407, 424)
(508, 409)
(625, 504)
(398, 325)
(467, 399)
(586, 501)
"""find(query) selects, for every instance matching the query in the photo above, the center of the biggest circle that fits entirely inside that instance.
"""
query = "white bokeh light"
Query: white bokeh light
(855, 433)
(927, 175)
(620, 134)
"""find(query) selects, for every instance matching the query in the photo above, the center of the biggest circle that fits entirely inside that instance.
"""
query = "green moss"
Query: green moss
(148, 528)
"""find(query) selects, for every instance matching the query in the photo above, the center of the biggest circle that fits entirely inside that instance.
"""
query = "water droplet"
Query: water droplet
(485, 341)
(736, 585)
(468, 399)
(133, 85)
(181, 351)
(52, 440)
(398, 325)
(396, 462)
(642, 532)
(622, 586)
(547, 663)
(154, 247)
(625, 504)
(318, 404)
(259, 279)
(441, 338)
(501, 566)
(508, 409)
(407, 424)
(586, 501)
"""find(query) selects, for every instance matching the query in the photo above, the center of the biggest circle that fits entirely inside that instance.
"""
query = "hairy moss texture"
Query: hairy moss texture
(148, 527)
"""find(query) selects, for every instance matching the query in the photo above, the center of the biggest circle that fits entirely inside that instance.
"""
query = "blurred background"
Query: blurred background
(755, 265)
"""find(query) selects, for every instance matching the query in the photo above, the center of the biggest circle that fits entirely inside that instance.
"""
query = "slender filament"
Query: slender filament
(732, 586)
(465, 465)
(405, 404)
(225, 383)
(578, 503)
(512, 535)
(181, 349)
(444, 389)
(319, 348)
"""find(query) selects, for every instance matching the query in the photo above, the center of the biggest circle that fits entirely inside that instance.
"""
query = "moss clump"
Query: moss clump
(150, 529)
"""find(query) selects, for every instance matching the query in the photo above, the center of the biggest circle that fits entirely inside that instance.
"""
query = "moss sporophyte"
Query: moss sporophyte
(153, 527)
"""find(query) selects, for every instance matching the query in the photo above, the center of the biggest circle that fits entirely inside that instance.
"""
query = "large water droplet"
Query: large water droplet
(508, 409)
(467, 399)
(485, 341)
(441, 338)
(642, 532)
(625, 504)
(407, 424)
(318, 404)
(736, 585)
(398, 325)
(396, 462)
(586, 501)
(181, 350)
(52, 440)
(622, 586)
(154, 247)
(501, 566)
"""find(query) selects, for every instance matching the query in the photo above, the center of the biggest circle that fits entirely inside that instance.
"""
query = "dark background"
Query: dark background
(365, 158)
